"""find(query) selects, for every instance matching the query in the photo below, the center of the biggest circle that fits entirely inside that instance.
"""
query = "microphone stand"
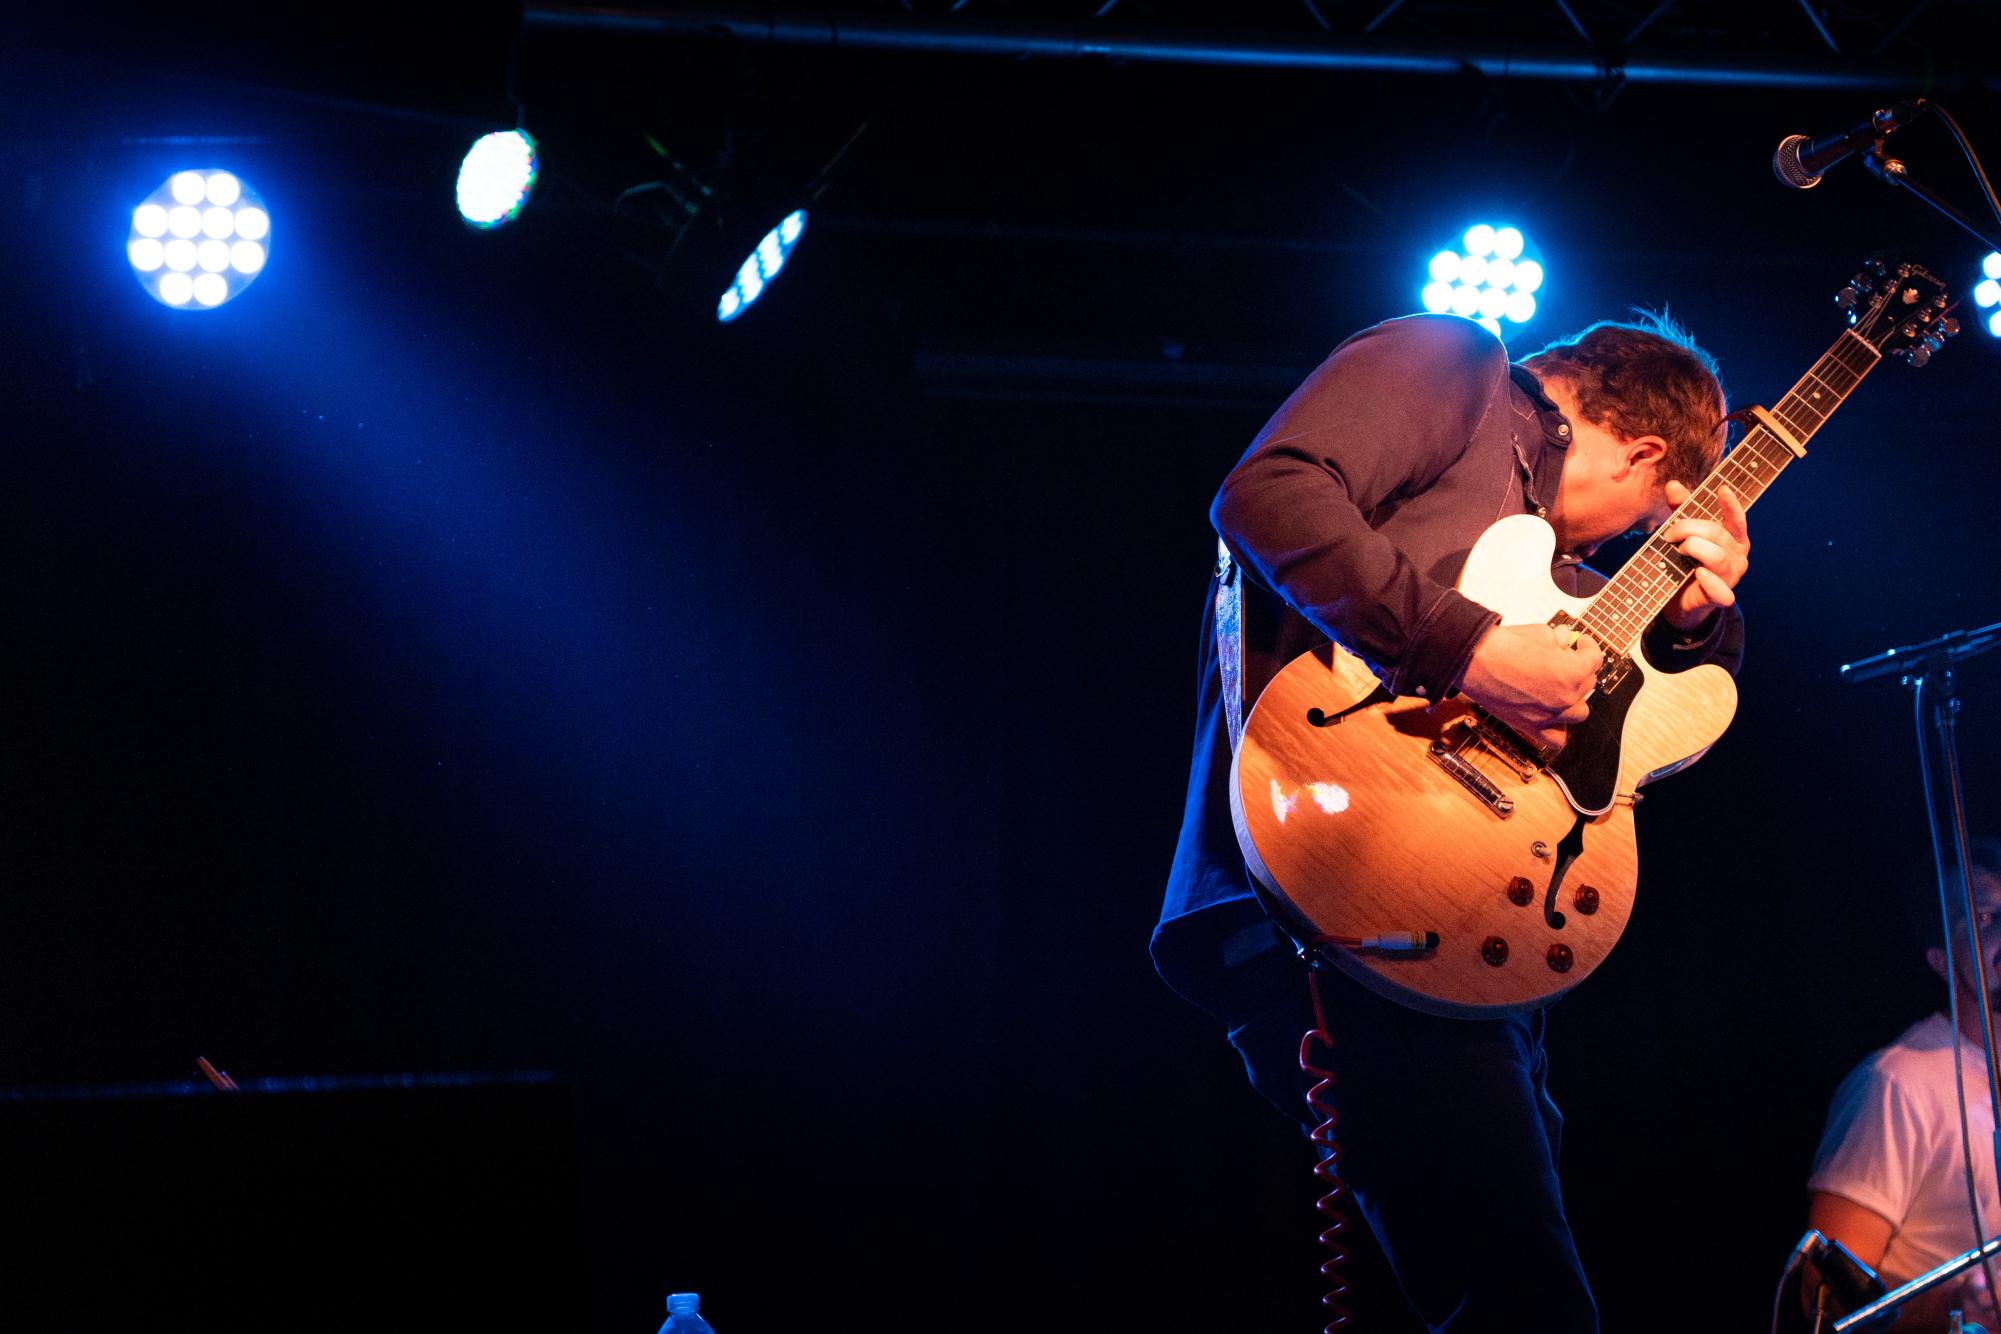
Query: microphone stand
(1917, 665)
(1896, 1297)
(1891, 171)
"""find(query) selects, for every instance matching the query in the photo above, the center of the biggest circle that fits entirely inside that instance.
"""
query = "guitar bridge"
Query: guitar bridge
(1446, 754)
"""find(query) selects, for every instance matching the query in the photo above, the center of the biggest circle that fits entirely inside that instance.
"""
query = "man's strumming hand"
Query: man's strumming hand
(1535, 678)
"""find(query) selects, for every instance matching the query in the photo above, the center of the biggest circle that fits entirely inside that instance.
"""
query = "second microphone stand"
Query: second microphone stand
(1927, 669)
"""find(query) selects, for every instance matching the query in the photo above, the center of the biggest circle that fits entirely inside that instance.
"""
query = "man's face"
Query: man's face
(1987, 918)
(1610, 485)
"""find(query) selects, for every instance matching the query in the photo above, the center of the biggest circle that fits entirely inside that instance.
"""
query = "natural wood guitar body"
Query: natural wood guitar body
(1359, 830)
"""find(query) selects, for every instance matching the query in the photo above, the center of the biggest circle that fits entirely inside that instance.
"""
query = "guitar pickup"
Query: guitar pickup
(1488, 736)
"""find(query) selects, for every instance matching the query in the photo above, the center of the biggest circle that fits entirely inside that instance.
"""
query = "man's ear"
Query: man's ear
(1936, 958)
(1639, 452)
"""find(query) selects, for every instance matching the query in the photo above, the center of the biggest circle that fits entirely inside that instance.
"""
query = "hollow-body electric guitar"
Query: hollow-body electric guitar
(1451, 863)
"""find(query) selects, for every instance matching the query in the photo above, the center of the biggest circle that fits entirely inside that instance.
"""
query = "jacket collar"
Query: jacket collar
(1541, 449)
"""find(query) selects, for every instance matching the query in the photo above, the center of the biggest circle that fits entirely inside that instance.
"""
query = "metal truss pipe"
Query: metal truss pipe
(972, 38)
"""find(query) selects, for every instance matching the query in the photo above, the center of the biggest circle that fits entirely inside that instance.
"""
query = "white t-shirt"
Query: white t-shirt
(1892, 1146)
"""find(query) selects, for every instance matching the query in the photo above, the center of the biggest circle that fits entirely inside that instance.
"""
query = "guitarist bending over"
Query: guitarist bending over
(1350, 517)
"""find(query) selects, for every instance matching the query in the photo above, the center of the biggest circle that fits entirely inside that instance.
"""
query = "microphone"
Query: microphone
(1799, 161)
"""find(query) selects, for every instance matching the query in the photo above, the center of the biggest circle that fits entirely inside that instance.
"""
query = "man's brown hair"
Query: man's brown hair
(1645, 378)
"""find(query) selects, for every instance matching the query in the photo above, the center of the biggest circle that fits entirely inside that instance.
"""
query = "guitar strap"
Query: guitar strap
(1230, 640)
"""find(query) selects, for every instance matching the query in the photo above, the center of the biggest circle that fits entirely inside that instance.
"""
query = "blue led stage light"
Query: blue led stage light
(199, 240)
(496, 178)
(756, 272)
(1987, 293)
(1491, 276)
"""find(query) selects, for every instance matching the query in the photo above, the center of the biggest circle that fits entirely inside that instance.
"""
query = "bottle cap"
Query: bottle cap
(683, 1303)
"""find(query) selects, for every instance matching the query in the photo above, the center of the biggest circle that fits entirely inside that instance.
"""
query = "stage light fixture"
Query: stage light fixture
(175, 267)
(724, 237)
(1490, 276)
(496, 178)
(1987, 292)
(757, 271)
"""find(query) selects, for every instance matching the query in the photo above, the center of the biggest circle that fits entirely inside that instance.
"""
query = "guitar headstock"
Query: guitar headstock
(1901, 311)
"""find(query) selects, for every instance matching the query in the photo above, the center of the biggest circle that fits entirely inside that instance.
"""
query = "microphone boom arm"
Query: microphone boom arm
(1890, 171)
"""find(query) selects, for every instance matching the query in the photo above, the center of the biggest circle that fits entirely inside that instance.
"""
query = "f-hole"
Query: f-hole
(1321, 718)
(1567, 852)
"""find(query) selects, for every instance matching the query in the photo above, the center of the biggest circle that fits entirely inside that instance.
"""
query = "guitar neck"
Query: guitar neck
(1647, 582)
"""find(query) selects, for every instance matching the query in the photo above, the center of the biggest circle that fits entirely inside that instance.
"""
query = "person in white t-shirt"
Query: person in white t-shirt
(1889, 1179)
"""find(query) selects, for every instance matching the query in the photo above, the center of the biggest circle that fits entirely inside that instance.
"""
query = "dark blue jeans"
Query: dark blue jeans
(1449, 1144)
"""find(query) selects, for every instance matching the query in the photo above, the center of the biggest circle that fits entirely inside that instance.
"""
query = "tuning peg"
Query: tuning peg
(1949, 326)
(1918, 355)
(1847, 297)
(1874, 266)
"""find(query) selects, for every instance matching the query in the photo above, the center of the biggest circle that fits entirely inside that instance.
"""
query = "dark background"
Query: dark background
(459, 653)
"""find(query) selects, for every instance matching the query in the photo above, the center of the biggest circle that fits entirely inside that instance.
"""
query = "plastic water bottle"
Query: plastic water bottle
(684, 1315)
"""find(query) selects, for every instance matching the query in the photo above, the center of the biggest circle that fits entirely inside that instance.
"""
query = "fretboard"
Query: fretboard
(1644, 584)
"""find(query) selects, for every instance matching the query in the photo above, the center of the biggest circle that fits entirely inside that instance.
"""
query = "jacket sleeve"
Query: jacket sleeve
(1720, 641)
(1379, 421)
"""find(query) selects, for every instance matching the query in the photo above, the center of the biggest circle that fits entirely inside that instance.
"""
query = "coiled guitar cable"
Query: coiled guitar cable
(1327, 1169)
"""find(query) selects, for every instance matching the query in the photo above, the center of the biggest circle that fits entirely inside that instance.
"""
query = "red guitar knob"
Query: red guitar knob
(1494, 950)
(1520, 891)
